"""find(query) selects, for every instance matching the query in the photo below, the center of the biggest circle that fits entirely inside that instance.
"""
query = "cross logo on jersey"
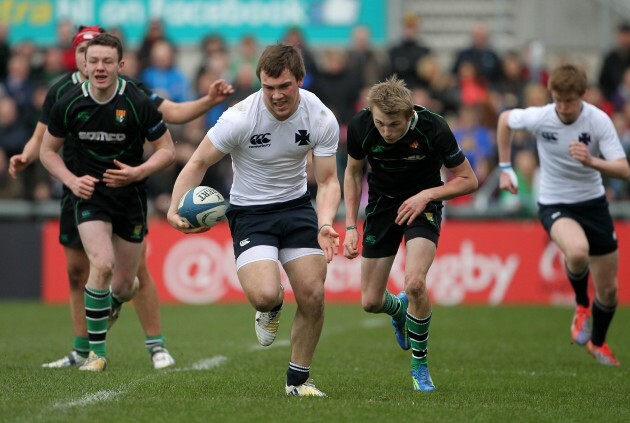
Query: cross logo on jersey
(302, 137)
(585, 138)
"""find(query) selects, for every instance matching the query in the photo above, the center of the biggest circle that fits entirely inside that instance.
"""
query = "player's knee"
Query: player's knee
(77, 276)
(310, 295)
(146, 281)
(607, 295)
(372, 304)
(577, 255)
(416, 287)
(265, 299)
(103, 268)
(125, 291)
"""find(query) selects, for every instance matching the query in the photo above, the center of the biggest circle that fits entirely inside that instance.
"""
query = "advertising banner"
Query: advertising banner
(324, 22)
(498, 262)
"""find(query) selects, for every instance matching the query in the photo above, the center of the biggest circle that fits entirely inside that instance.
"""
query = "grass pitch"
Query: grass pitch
(488, 364)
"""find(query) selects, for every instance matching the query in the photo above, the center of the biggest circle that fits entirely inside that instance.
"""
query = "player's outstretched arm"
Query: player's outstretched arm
(30, 152)
(185, 112)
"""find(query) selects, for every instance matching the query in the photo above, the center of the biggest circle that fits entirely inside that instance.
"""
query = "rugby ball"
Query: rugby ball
(202, 206)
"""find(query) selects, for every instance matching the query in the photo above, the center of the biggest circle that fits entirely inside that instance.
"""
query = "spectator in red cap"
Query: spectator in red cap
(86, 33)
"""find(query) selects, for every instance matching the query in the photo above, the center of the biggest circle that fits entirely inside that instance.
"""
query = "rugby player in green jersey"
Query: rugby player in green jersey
(406, 146)
(146, 300)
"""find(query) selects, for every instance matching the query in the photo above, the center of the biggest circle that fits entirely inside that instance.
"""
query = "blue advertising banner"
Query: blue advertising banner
(323, 22)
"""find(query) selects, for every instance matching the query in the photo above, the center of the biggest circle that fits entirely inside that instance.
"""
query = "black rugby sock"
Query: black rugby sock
(579, 283)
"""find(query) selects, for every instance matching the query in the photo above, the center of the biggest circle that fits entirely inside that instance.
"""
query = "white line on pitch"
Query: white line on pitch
(102, 396)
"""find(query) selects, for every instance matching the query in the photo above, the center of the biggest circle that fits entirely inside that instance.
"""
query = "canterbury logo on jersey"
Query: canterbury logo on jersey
(101, 136)
(549, 136)
(259, 140)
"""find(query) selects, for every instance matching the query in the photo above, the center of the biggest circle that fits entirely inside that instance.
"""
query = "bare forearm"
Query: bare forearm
(55, 165)
(190, 176)
(352, 195)
(618, 169)
(328, 199)
(458, 186)
(179, 113)
(159, 160)
(504, 138)
(32, 147)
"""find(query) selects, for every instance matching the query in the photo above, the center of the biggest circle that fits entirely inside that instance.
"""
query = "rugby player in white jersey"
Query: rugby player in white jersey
(577, 144)
(269, 135)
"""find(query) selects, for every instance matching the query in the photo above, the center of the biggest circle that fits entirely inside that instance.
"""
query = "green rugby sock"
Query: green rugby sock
(418, 329)
(151, 342)
(392, 306)
(81, 345)
(97, 308)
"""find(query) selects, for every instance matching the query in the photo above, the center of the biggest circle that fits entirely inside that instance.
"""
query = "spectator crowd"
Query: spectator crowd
(480, 83)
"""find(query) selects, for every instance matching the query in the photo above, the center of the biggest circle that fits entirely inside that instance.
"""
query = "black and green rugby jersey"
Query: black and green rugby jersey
(412, 163)
(100, 133)
(71, 79)
(63, 85)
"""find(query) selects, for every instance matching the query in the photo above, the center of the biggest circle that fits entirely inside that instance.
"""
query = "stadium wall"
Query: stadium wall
(20, 261)
(478, 262)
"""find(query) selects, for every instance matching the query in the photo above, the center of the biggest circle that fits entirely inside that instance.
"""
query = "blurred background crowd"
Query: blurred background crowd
(479, 82)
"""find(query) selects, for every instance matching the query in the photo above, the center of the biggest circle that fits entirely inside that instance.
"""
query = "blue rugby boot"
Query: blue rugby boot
(400, 326)
(422, 379)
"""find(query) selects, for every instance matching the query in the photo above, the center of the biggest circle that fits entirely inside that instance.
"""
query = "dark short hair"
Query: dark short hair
(276, 58)
(624, 26)
(108, 40)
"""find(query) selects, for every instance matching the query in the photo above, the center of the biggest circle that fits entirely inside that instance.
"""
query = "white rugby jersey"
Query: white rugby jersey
(268, 155)
(562, 178)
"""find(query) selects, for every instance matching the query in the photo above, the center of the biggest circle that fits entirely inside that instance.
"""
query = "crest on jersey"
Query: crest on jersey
(120, 116)
(414, 144)
(302, 137)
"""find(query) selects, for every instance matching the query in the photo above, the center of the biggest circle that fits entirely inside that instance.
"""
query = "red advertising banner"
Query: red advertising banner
(478, 262)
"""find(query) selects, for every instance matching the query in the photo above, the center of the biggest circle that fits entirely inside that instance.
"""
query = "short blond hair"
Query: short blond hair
(391, 97)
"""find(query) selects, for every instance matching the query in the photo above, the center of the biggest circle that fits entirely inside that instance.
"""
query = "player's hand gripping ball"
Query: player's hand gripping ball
(202, 207)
